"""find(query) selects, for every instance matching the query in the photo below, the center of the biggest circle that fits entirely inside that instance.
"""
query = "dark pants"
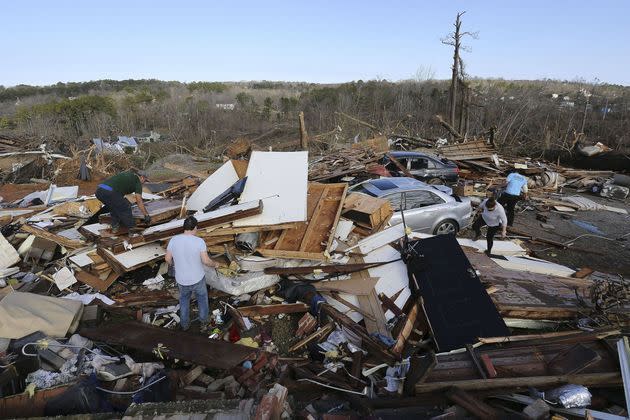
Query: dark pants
(185, 293)
(118, 206)
(508, 201)
(492, 230)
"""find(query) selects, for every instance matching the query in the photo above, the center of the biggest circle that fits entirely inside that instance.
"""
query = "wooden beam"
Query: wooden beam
(63, 241)
(261, 310)
(303, 133)
(586, 379)
(323, 331)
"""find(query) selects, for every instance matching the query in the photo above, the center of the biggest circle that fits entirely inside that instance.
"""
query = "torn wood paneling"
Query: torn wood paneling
(214, 185)
(315, 236)
(280, 180)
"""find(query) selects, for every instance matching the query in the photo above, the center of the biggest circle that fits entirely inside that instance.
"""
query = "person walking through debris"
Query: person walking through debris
(188, 253)
(112, 193)
(492, 215)
(514, 184)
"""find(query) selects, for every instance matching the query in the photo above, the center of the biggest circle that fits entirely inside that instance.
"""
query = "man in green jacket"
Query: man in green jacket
(112, 193)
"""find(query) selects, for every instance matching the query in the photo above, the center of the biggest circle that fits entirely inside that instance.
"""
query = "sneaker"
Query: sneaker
(204, 328)
(487, 253)
(185, 327)
(115, 228)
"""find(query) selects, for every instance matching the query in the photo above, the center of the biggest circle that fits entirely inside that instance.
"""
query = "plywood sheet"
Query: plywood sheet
(138, 256)
(280, 180)
(219, 181)
(380, 239)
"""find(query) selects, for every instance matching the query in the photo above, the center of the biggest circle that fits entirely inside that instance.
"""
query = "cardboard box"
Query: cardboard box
(464, 190)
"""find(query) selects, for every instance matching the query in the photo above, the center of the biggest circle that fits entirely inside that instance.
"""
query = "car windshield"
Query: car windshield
(361, 189)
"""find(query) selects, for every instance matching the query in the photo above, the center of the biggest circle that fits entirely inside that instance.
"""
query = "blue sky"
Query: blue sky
(315, 41)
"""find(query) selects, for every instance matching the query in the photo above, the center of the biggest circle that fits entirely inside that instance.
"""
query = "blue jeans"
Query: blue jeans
(185, 293)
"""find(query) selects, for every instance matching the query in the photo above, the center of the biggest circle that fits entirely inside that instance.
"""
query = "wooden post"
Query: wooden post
(303, 133)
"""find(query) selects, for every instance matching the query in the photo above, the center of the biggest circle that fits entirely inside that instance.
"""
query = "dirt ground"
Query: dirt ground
(611, 255)
(12, 192)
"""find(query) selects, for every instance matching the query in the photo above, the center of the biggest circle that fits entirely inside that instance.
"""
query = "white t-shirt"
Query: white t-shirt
(186, 250)
(495, 217)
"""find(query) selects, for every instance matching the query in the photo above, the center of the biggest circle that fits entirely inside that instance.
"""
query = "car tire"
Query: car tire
(435, 181)
(446, 227)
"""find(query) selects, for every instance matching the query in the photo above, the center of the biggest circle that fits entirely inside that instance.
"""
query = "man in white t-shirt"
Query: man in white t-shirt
(492, 215)
(189, 254)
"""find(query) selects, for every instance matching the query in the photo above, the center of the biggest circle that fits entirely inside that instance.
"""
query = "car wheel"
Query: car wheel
(435, 181)
(446, 227)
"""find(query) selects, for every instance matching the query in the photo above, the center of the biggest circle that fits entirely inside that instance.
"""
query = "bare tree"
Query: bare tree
(454, 39)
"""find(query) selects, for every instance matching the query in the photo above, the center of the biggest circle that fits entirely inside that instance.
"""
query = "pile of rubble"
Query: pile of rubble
(320, 308)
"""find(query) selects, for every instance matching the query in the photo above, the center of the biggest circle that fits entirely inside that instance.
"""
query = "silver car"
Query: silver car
(427, 208)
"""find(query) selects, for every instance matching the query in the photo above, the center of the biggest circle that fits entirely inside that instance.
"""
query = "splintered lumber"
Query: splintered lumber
(407, 328)
(322, 332)
(261, 310)
(366, 211)
(310, 239)
(471, 404)
(173, 344)
(375, 348)
(318, 269)
(212, 218)
(61, 240)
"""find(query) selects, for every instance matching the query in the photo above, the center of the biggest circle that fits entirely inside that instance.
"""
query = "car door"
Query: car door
(419, 166)
(422, 209)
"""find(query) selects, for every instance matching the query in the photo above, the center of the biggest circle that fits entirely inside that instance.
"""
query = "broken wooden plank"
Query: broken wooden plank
(94, 281)
(175, 344)
(262, 310)
(587, 379)
(63, 241)
(212, 218)
(322, 332)
(471, 404)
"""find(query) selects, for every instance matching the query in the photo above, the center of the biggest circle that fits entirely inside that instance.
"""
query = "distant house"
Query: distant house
(127, 143)
(148, 137)
(227, 107)
(124, 144)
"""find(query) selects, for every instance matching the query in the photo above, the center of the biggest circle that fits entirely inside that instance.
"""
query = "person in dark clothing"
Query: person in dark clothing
(492, 215)
(112, 194)
(515, 185)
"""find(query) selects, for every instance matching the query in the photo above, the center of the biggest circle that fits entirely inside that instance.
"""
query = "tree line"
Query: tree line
(523, 116)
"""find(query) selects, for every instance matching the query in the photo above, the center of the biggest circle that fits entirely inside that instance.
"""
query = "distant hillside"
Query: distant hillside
(525, 116)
